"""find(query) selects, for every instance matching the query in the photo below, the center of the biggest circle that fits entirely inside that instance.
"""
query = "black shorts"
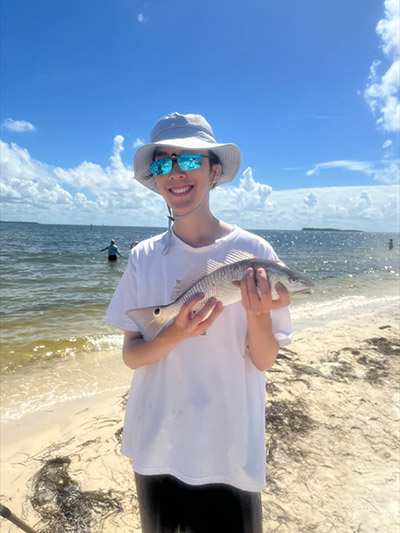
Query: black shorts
(112, 257)
(167, 505)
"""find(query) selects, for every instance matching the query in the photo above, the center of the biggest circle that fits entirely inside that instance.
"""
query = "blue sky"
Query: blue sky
(307, 88)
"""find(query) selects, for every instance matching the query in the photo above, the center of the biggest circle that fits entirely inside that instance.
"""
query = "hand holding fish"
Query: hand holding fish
(189, 323)
(260, 300)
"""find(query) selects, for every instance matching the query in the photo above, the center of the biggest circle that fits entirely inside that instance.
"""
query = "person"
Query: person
(112, 251)
(195, 418)
(390, 244)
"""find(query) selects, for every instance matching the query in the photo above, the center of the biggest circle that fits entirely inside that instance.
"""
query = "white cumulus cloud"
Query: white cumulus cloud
(382, 91)
(311, 199)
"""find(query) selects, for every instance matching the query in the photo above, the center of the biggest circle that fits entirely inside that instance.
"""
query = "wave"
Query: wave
(318, 312)
(19, 354)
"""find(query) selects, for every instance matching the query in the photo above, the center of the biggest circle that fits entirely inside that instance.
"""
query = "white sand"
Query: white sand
(332, 438)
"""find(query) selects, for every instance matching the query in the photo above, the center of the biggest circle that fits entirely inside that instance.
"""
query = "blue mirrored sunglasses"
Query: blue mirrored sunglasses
(185, 162)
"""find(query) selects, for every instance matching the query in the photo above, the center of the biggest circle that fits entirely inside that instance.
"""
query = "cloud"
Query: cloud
(382, 90)
(19, 126)
(138, 143)
(372, 208)
(385, 172)
(388, 28)
(389, 174)
(250, 197)
(387, 143)
(311, 199)
(89, 193)
(358, 166)
(141, 18)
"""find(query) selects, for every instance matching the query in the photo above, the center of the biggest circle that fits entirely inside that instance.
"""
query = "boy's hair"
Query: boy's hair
(214, 160)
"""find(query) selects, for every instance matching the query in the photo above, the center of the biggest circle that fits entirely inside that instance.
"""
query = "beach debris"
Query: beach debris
(61, 503)
(5, 512)
(218, 280)
(285, 418)
(118, 434)
(287, 424)
(385, 346)
(370, 362)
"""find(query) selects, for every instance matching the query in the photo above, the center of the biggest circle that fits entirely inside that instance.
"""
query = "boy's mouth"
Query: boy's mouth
(180, 190)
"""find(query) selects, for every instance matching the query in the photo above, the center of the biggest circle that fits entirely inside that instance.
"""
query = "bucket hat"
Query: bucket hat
(187, 132)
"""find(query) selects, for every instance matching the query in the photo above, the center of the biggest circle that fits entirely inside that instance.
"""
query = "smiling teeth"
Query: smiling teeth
(181, 190)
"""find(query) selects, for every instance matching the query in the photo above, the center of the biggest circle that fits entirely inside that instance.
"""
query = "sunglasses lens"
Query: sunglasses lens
(189, 162)
(162, 166)
(185, 162)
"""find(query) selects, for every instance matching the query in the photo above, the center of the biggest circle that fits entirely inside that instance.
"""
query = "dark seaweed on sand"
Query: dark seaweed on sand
(286, 421)
(63, 506)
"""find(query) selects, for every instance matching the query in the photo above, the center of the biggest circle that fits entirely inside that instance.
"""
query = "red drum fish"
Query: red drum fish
(218, 280)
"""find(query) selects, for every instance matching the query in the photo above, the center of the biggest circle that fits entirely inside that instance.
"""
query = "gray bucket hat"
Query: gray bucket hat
(186, 132)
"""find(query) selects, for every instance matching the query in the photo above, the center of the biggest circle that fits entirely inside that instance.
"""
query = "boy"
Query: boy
(194, 424)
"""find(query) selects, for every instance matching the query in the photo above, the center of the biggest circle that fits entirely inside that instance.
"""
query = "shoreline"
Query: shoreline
(332, 437)
(51, 377)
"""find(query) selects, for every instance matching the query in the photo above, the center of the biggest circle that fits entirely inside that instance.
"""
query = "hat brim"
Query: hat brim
(228, 154)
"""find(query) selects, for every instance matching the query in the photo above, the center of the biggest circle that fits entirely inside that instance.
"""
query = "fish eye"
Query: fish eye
(293, 280)
(157, 311)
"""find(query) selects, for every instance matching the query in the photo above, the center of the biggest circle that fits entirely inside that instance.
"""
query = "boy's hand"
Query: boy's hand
(253, 302)
(191, 324)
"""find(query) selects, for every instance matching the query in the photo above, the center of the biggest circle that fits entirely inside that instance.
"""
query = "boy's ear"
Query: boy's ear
(217, 171)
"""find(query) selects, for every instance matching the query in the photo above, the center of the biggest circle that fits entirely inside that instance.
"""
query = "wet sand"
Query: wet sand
(332, 433)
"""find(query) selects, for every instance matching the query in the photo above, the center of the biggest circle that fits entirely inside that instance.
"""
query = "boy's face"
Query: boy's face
(183, 190)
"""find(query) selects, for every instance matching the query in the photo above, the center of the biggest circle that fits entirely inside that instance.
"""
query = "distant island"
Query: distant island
(16, 222)
(332, 229)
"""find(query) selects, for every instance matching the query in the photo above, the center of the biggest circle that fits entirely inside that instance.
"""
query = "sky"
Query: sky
(309, 90)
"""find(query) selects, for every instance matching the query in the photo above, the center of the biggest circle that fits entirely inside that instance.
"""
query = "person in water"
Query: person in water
(112, 251)
(195, 419)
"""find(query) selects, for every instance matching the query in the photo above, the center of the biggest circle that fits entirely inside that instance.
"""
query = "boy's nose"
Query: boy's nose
(176, 170)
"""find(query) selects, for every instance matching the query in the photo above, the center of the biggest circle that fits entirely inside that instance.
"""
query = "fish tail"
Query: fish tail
(150, 320)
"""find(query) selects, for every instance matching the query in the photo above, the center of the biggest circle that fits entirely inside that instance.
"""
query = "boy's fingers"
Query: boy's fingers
(204, 324)
(206, 309)
(284, 297)
(187, 306)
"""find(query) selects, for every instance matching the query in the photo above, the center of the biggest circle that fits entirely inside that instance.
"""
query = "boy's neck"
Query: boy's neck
(198, 233)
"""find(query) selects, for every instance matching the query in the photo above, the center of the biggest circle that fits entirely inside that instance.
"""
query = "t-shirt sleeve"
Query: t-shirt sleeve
(124, 298)
(282, 326)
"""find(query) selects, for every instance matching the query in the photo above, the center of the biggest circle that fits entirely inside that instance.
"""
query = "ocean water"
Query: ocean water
(56, 285)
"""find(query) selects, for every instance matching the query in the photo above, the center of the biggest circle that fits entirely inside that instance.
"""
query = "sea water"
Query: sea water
(56, 285)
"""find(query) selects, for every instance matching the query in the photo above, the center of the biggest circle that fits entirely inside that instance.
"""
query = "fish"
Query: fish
(218, 280)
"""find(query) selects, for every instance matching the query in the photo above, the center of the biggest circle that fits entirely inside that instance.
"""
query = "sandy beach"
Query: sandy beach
(332, 434)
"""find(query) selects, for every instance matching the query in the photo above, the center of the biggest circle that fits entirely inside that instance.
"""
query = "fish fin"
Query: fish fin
(201, 270)
(149, 322)
(234, 256)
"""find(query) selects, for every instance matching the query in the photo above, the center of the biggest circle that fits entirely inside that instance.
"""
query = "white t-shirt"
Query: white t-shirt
(198, 413)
